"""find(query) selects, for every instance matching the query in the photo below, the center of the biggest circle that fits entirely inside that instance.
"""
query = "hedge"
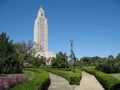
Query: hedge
(108, 81)
(73, 78)
(41, 81)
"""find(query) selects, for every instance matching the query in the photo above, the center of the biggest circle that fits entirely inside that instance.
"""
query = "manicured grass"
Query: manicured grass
(108, 81)
(116, 75)
(38, 80)
(73, 78)
(29, 74)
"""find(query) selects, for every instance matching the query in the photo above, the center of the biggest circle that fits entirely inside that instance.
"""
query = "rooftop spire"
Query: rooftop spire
(41, 7)
(40, 3)
(41, 12)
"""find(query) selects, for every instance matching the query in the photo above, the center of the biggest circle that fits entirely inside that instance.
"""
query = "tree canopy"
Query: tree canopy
(9, 62)
(60, 61)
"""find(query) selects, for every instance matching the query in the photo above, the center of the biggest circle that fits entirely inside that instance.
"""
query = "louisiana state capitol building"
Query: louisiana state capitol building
(41, 35)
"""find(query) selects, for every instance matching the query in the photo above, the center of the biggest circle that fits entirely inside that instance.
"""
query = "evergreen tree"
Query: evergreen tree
(9, 62)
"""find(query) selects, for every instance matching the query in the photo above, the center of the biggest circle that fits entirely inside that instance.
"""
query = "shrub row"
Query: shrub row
(73, 78)
(108, 81)
(41, 81)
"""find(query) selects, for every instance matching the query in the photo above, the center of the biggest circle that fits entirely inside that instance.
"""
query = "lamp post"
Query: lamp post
(72, 61)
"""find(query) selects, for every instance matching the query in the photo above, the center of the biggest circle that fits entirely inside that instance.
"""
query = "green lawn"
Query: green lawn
(117, 75)
(29, 74)
(38, 80)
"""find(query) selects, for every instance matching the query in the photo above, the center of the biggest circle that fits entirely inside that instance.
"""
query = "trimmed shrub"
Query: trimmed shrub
(41, 81)
(108, 81)
(73, 78)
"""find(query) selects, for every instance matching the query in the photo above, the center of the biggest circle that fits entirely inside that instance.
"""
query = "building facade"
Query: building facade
(41, 35)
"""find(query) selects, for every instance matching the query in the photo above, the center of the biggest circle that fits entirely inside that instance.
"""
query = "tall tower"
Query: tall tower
(41, 33)
(41, 37)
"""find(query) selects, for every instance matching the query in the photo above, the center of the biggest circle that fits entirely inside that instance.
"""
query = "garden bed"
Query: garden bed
(7, 82)
(40, 80)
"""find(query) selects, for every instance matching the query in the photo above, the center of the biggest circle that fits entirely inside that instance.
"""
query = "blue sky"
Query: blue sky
(94, 25)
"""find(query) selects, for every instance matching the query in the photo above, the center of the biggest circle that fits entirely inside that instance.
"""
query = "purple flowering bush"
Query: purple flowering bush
(9, 81)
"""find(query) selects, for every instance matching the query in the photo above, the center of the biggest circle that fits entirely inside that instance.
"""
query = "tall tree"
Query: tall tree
(9, 62)
(86, 60)
(60, 61)
(25, 51)
(110, 57)
(118, 57)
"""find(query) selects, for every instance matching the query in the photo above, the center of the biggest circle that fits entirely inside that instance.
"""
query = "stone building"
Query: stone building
(41, 36)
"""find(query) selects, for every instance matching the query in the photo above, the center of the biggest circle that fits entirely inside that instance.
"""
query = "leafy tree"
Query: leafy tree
(60, 61)
(20, 52)
(86, 61)
(25, 51)
(36, 61)
(110, 57)
(9, 62)
(91, 61)
(95, 60)
(109, 65)
(118, 57)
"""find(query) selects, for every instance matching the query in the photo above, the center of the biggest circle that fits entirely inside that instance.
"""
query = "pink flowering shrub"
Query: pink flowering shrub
(11, 80)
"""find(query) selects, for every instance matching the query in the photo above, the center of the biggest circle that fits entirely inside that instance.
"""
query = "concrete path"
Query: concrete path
(58, 83)
(89, 82)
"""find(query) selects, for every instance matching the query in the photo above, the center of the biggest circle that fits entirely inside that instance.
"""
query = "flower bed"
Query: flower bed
(40, 81)
(9, 81)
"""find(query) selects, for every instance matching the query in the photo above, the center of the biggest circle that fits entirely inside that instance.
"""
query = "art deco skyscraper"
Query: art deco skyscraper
(41, 37)
(41, 33)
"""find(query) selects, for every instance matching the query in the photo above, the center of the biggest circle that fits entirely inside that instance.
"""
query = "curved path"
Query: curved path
(58, 83)
(89, 82)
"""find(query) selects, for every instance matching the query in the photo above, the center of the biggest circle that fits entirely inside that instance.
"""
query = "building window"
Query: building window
(41, 14)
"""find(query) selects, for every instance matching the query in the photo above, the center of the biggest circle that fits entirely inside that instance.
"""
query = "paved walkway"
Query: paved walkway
(58, 83)
(88, 82)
